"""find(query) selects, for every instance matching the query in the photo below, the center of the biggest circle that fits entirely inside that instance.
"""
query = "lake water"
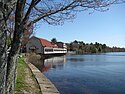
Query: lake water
(87, 74)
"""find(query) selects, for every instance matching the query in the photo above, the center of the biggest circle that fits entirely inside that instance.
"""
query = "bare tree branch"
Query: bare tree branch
(33, 3)
(68, 7)
(52, 12)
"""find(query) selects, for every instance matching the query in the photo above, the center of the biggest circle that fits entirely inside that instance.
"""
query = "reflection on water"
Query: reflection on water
(86, 74)
(46, 64)
(75, 59)
(55, 62)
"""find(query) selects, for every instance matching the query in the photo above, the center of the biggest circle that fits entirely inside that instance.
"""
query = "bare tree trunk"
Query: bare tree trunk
(11, 74)
(7, 64)
(3, 54)
(3, 62)
(7, 78)
(3, 50)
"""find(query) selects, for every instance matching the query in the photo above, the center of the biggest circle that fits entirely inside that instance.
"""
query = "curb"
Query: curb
(46, 86)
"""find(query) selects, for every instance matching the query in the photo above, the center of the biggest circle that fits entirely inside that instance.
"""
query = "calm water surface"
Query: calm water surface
(87, 74)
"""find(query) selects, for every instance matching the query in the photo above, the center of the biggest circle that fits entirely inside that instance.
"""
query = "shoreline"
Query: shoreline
(88, 53)
(46, 86)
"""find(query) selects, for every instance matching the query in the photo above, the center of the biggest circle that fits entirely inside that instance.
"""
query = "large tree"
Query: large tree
(53, 12)
(6, 8)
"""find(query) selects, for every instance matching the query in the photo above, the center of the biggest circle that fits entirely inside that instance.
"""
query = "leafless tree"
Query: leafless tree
(27, 32)
(54, 12)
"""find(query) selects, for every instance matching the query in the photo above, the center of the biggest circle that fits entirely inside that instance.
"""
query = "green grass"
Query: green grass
(20, 81)
(25, 80)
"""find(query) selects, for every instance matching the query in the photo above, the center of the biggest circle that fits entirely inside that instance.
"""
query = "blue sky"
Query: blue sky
(103, 27)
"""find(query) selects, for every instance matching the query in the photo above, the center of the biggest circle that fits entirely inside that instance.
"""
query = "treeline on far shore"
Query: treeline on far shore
(81, 48)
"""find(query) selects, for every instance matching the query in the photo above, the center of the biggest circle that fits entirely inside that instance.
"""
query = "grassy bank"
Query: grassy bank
(25, 82)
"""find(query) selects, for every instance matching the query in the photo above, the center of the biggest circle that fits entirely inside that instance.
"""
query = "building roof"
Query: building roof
(47, 43)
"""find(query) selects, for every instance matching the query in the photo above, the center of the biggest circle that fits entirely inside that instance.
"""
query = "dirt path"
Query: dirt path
(25, 83)
(33, 87)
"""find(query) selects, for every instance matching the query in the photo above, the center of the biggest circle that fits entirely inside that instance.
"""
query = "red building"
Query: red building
(43, 46)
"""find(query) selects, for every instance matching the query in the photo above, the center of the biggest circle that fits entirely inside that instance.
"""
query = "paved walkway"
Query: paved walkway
(45, 84)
